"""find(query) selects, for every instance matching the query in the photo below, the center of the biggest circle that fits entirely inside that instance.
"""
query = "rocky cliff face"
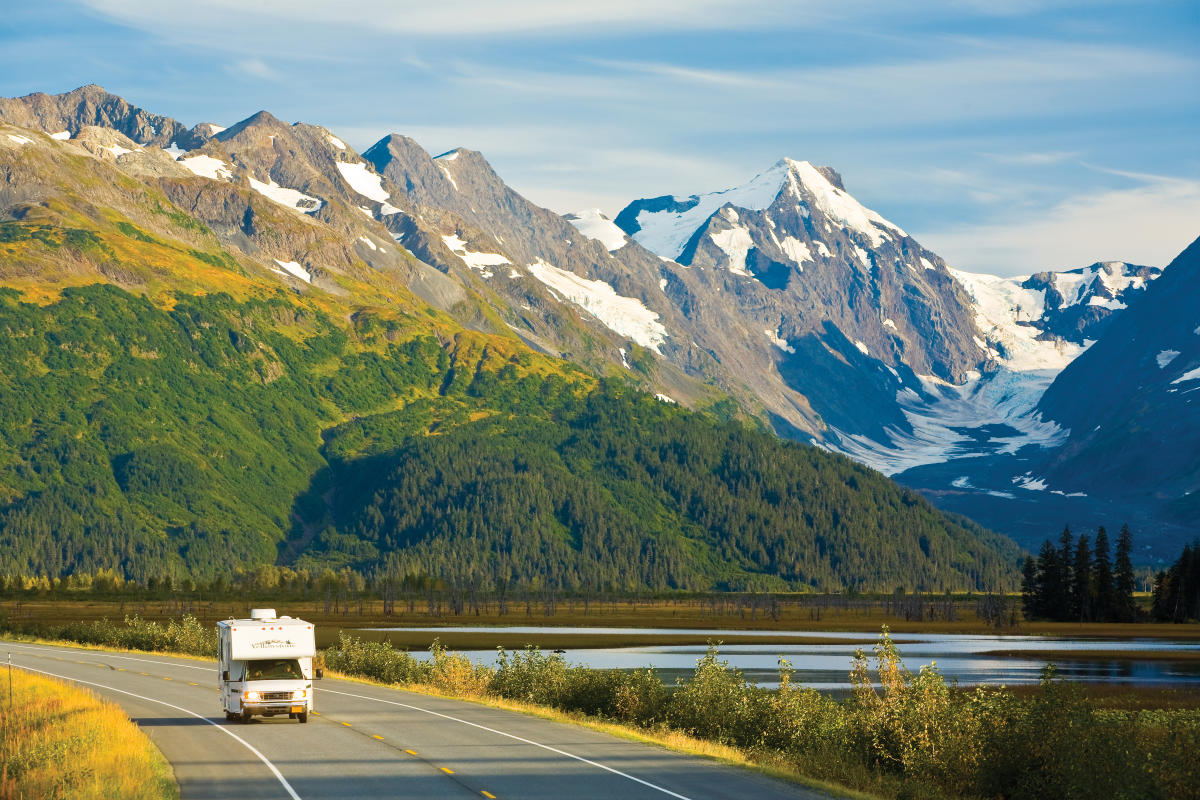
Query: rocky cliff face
(65, 115)
(1132, 401)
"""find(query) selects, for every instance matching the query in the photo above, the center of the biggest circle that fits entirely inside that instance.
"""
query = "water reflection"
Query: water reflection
(969, 659)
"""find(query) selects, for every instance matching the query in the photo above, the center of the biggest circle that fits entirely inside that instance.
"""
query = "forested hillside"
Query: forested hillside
(222, 433)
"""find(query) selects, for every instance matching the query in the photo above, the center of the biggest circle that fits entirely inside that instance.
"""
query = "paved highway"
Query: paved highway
(372, 742)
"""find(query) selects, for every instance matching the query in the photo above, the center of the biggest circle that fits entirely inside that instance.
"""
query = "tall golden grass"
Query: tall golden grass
(59, 741)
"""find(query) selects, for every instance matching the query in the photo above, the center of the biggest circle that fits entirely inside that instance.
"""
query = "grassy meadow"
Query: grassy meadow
(60, 741)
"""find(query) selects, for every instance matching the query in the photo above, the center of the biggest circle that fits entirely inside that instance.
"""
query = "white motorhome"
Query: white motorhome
(265, 666)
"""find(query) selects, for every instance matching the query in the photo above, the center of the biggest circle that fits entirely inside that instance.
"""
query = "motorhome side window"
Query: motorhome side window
(273, 669)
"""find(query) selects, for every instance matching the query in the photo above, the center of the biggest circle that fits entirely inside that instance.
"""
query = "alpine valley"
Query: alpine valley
(228, 346)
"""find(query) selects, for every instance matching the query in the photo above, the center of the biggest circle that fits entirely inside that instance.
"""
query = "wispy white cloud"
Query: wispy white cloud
(710, 77)
(1146, 224)
(255, 68)
(1032, 159)
(470, 17)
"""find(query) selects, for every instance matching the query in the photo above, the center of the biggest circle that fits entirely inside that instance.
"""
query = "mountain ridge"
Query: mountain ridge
(806, 311)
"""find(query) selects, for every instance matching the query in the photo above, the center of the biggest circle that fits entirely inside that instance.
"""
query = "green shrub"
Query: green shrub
(377, 660)
(716, 703)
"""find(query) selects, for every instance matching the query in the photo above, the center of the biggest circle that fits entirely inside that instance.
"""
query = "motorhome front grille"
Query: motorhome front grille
(276, 695)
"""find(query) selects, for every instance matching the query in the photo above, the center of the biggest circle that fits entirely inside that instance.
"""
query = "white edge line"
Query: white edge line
(221, 728)
(514, 736)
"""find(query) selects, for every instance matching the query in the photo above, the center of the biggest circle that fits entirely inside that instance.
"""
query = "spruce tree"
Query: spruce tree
(1081, 586)
(1160, 604)
(1065, 582)
(1029, 588)
(1126, 611)
(1102, 583)
(1048, 577)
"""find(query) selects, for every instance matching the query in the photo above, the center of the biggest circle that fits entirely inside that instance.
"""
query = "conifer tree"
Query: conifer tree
(1081, 586)
(1061, 605)
(1123, 603)
(1102, 582)
(1029, 588)
(1048, 581)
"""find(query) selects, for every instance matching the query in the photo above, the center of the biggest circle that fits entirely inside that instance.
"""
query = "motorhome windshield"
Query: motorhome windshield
(273, 669)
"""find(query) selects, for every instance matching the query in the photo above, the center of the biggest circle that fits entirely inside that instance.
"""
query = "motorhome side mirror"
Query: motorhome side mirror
(225, 675)
(320, 673)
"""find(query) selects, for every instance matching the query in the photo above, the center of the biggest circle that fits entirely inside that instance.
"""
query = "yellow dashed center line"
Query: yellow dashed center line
(487, 794)
(165, 678)
(190, 683)
(347, 724)
(446, 770)
(411, 752)
(376, 736)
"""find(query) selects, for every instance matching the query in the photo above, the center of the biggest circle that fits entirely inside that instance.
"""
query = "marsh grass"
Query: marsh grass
(60, 741)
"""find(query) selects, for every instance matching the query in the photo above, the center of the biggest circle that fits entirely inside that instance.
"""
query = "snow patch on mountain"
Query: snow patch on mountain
(363, 181)
(61, 136)
(208, 167)
(336, 142)
(796, 250)
(1165, 357)
(1190, 375)
(1075, 285)
(626, 316)
(667, 232)
(735, 243)
(594, 225)
(21, 139)
(295, 269)
(476, 261)
(174, 151)
(292, 198)
(1030, 483)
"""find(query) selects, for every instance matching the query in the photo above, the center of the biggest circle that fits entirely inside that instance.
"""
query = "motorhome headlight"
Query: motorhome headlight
(251, 695)
(299, 694)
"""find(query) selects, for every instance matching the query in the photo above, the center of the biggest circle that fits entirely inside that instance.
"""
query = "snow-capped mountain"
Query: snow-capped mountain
(803, 252)
(814, 313)
(1121, 427)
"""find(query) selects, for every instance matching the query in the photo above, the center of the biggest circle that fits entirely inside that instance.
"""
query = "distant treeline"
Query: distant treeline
(1177, 589)
(1078, 581)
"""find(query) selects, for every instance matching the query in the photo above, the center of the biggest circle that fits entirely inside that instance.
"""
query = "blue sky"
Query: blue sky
(1009, 137)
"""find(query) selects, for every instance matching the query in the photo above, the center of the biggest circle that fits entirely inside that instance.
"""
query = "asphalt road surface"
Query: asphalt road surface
(371, 742)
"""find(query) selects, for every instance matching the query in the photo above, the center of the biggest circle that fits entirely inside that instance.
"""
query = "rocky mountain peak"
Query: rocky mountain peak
(260, 119)
(93, 105)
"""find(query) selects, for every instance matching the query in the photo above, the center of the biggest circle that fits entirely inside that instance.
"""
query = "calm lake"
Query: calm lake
(968, 659)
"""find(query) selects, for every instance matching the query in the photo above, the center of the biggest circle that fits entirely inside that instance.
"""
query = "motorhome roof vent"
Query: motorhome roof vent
(262, 613)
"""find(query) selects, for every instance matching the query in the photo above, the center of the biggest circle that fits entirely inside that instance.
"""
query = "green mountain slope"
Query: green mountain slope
(172, 404)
